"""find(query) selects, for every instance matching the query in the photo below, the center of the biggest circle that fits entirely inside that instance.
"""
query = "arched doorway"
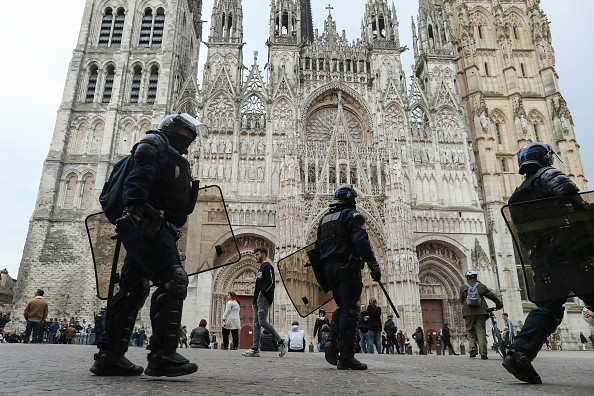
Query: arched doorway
(240, 278)
(440, 277)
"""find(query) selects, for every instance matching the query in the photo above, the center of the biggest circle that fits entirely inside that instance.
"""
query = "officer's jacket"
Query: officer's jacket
(340, 235)
(160, 177)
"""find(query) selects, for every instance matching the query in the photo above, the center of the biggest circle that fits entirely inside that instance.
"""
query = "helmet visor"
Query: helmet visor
(193, 124)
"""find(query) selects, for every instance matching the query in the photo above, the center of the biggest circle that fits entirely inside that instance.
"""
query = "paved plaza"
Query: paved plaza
(28, 369)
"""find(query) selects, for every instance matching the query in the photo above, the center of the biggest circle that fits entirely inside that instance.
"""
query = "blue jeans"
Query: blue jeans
(261, 321)
(374, 337)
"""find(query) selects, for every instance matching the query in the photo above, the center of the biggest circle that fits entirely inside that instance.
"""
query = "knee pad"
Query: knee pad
(175, 281)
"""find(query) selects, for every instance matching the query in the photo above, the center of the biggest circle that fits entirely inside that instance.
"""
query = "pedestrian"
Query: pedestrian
(342, 246)
(323, 336)
(35, 314)
(231, 321)
(508, 330)
(200, 336)
(321, 320)
(391, 329)
(474, 312)
(69, 333)
(263, 298)
(362, 329)
(158, 194)
(591, 337)
(446, 341)
(400, 339)
(583, 340)
(54, 331)
(141, 337)
(553, 282)
(296, 338)
(419, 337)
(430, 341)
(183, 339)
(374, 326)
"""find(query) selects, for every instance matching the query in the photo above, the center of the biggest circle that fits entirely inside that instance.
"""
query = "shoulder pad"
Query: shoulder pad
(556, 182)
(359, 219)
(148, 148)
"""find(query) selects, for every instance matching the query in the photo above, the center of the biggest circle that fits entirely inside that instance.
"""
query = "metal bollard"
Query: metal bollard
(409, 350)
(462, 349)
(439, 349)
(311, 347)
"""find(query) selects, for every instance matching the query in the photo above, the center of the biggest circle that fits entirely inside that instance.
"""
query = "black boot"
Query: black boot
(120, 319)
(473, 353)
(106, 363)
(518, 363)
(166, 308)
(169, 366)
(350, 362)
(331, 352)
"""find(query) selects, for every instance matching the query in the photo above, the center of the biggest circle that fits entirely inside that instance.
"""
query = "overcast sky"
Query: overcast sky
(37, 45)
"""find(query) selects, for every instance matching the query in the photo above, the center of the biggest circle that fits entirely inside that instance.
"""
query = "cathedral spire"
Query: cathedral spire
(381, 24)
(307, 31)
(285, 21)
(227, 21)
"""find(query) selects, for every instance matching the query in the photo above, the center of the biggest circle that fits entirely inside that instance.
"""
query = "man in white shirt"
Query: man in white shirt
(296, 338)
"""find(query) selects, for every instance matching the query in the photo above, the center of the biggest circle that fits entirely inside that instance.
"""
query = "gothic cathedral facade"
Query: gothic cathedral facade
(434, 153)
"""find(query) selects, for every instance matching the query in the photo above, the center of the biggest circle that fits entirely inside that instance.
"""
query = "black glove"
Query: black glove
(376, 273)
(499, 306)
(126, 224)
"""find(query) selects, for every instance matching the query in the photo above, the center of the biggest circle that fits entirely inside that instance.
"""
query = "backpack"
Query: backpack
(111, 194)
(324, 335)
(473, 298)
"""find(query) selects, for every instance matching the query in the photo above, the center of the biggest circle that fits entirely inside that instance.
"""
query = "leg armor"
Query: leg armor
(166, 310)
(121, 316)
(539, 324)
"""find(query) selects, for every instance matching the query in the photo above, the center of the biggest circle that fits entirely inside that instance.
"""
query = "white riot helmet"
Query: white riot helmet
(471, 274)
(588, 316)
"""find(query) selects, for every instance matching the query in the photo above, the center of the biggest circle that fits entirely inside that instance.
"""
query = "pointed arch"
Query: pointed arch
(253, 112)
(220, 112)
(69, 190)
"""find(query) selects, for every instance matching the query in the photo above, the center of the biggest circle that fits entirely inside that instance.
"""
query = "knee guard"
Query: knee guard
(166, 310)
(120, 318)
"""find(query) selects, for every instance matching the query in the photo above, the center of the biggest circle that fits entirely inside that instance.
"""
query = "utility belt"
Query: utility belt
(151, 222)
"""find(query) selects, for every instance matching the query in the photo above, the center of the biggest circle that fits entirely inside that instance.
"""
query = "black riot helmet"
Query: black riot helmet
(539, 154)
(172, 123)
(345, 195)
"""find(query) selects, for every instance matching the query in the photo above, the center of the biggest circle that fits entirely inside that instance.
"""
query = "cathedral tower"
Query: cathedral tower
(510, 96)
(133, 63)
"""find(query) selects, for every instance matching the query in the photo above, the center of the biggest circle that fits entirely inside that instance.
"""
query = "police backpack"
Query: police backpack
(111, 195)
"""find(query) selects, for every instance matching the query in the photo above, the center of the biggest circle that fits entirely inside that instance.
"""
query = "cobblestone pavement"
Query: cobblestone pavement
(28, 369)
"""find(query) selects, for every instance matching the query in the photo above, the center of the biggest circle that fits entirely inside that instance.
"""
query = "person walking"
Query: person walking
(446, 340)
(400, 339)
(231, 321)
(555, 275)
(508, 330)
(391, 329)
(263, 298)
(474, 312)
(342, 246)
(158, 194)
(419, 337)
(374, 326)
(35, 314)
(583, 340)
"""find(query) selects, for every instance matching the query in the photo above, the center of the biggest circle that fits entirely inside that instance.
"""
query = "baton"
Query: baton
(389, 299)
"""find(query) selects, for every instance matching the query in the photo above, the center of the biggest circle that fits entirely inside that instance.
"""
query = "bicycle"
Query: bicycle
(499, 345)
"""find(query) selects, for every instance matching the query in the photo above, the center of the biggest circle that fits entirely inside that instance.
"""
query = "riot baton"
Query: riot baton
(114, 278)
(389, 299)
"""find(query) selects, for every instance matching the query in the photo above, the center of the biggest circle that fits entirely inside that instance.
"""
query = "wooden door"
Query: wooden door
(246, 316)
(432, 314)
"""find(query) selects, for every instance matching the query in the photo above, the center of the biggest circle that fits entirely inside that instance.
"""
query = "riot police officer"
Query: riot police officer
(158, 195)
(550, 286)
(343, 245)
